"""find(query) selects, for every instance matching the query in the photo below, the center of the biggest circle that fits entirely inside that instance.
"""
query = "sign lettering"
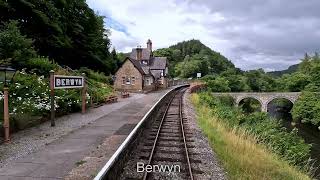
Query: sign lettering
(62, 82)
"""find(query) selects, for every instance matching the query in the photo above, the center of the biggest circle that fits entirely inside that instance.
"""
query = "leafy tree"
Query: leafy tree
(307, 108)
(219, 84)
(197, 54)
(295, 82)
(259, 81)
(67, 31)
(15, 48)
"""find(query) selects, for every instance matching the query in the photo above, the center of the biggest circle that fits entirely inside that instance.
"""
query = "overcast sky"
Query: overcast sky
(269, 34)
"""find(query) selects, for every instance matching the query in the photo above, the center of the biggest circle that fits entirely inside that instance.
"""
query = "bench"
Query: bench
(111, 99)
(125, 94)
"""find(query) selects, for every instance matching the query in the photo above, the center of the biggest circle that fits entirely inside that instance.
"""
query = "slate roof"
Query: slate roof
(137, 65)
(146, 54)
(156, 64)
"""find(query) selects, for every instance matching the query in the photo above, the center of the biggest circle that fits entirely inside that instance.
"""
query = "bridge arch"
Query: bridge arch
(263, 97)
(240, 99)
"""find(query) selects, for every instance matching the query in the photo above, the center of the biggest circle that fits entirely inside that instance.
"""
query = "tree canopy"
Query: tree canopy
(66, 31)
(187, 58)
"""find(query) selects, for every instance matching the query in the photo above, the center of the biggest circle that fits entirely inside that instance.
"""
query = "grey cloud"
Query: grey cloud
(282, 30)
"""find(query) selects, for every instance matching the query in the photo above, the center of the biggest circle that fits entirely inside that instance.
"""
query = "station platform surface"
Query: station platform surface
(110, 124)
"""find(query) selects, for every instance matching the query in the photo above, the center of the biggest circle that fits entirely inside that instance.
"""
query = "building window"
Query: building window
(128, 82)
(123, 80)
(133, 80)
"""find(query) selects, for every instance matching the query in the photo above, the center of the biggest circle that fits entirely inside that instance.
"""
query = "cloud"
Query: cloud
(268, 34)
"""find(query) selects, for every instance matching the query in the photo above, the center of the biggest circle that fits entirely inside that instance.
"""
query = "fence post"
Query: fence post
(52, 117)
(84, 93)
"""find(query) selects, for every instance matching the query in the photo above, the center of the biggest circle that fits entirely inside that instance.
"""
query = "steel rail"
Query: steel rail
(184, 138)
(145, 175)
(105, 169)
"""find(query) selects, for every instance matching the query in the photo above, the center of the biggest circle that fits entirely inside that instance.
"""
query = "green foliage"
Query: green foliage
(40, 66)
(295, 82)
(307, 108)
(250, 105)
(68, 32)
(15, 48)
(259, 81)
(219, 84)
(268, 130)
(190, 57)
(30, 95)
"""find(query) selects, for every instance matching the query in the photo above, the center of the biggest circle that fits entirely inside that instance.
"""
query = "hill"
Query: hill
(290, 70)
(189, 57)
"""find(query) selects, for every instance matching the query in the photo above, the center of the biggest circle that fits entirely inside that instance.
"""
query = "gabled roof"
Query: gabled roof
(146, 54)
(158, 63)
(137, 65)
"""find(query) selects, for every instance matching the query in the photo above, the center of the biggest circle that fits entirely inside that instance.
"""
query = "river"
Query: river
(309, 133)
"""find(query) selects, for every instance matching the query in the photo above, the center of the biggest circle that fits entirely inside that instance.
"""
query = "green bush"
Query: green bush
(96, 76)
(41, 66)
(268, 131)
(307, 108)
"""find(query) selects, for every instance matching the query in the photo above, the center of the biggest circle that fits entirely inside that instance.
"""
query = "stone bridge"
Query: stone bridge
(264, 97)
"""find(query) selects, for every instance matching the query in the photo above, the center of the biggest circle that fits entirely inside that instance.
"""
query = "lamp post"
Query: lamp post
(6, 75)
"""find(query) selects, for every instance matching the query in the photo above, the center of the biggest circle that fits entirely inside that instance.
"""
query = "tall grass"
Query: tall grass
(239, 152)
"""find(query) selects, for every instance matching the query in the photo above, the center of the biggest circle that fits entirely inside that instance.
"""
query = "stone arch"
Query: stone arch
(239, 99)
(292, 100)
(280, 97)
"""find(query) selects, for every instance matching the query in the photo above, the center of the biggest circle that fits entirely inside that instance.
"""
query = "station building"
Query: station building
(142, 72)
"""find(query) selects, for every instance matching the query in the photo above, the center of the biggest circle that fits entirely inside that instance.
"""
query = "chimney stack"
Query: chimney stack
(149, 45)
(139, 53)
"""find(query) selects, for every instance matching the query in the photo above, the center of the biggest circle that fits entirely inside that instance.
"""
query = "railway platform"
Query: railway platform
(76, 140)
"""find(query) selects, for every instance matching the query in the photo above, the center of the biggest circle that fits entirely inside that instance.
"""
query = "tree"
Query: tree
(295, 82)
(219, 84)
(15, 48)
(307, 108)
(66, 31)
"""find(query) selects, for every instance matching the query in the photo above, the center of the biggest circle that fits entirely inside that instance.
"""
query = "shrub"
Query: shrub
(41, 66)
(307, 108)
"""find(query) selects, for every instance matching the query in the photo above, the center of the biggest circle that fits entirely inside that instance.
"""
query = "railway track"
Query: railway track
(161, 146)
(164, 145)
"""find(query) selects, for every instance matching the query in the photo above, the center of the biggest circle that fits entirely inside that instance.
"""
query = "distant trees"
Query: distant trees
(66, 31)
(190, 57)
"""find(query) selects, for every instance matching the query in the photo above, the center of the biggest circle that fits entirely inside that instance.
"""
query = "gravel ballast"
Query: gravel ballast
(210, 165)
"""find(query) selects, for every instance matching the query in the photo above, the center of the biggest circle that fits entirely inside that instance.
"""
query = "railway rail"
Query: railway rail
(169, 134)
(163, 140)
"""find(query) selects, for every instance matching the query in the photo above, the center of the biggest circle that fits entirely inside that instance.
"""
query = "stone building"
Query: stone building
(142, 72)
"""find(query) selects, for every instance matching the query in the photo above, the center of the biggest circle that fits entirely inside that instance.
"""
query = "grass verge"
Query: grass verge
(239, 152)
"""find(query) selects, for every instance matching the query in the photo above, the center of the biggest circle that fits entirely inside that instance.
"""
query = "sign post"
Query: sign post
(52, 98)
(64, 82)
(84, 94)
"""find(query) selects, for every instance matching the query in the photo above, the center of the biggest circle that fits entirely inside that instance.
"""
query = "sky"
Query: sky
(268, 34)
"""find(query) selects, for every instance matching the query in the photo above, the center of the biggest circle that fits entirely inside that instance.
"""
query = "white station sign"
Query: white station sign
(62, 82)
(198, 75)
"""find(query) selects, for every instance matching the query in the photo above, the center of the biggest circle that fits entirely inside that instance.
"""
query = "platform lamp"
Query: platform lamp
(6, 76)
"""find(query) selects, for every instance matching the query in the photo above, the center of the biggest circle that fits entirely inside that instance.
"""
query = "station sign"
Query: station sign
(63, 82)
(198, 75)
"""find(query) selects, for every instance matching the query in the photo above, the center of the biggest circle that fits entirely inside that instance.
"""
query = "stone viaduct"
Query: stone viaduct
(264, 97)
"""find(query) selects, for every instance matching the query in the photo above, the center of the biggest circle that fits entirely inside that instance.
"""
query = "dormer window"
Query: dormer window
(144, 62)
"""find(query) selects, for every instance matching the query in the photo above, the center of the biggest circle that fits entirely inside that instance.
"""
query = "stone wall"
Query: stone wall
(128, 70)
